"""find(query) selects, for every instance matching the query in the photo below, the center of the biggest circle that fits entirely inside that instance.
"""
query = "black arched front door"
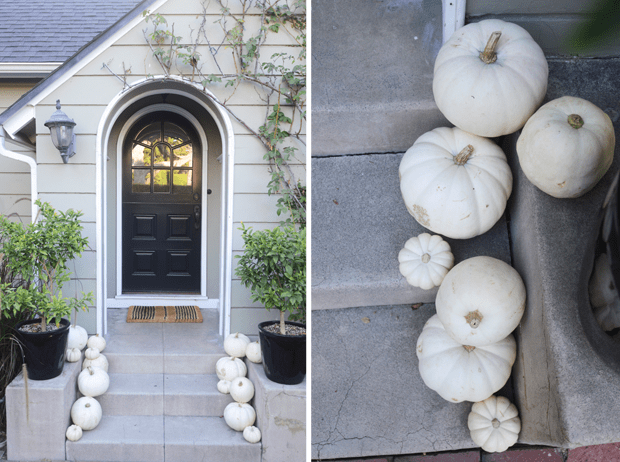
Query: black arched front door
(161, 200)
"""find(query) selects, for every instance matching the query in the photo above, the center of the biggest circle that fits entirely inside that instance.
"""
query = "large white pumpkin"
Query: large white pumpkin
(455, 183)
(235, 344)
(494, 424)
(86, 413)
(566, 147)
(238, 416)
(93, 381)
(480, 301)
(228, 368)
(241, 389)
(77, 337)
(425, 260)
(490, 91)
(462, 373)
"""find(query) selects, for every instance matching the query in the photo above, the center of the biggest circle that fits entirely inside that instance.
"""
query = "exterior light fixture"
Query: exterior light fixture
(61, 129)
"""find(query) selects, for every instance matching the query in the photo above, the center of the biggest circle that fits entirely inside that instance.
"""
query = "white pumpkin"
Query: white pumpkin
(480, 301)
(86, 413)
(235, 344)
(100, 361)
(223, 386)
(93, 381)
(96, 341)
(77, 337)
(425, 261)
(73, 433)
(73, 355)
(238, 416)
(490, 84)
(494, 424)
(604, 294)
(461, 372)
(251, 434)
(91, 353)
(455, 183)
(253, 352)
(566, 147)
(228, 368)
(241, 389)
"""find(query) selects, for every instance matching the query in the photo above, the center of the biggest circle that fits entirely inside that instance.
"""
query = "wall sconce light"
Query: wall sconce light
(61, 129)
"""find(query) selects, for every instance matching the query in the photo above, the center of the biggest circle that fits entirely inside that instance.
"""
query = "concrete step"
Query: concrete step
(141, 439)
(193, 395)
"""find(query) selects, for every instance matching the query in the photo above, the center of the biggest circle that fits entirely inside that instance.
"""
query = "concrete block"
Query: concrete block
(37, 421)
(121, 438)
(567, 371)
(207, 439)
(280, 416)
(133, 394)
(360, 223)
(194, 395)
(368, 398)
(372, 74)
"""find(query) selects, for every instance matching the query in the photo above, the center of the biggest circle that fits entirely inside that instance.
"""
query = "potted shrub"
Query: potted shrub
(38, 254)
(273, 267)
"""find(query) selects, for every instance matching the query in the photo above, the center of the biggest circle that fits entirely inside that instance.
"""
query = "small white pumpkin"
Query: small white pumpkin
(100, 361)
(93, 381)
(96, 341)
(490, 77)
(480, 301)
(494, 424)
(566, 147)
(425, 260)
(238, 416)
(455, 183)
(223, 386)
(462, 372)
(241, 389)
(77, 337)
(604, 295)
(228, 368)
(73, 433)
(91, 353)
(253, 353)
(73, 355)
(235, 344)
(251, 434)
(86, 413)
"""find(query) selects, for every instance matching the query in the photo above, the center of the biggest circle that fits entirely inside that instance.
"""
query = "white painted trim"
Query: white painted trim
(19, 120)
(28, 68)
(34, 210)
(125, 301)
(225, 128)
(453, 15)
(119, 186)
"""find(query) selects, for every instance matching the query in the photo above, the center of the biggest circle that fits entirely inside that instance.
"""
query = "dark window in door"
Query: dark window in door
(161, 199)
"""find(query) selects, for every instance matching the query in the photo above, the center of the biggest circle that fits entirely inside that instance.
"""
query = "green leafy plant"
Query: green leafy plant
(273, 267)
(37, 255)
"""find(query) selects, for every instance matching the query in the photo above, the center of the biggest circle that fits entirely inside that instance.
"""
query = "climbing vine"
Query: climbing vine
(279, 79)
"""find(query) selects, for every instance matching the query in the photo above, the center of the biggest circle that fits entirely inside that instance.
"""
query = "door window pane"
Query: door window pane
(140, 180)
(182, 180)
(182, 157)
(161, 181)
(150, 134)
(140, 156)
(161, 155)
(174, 134)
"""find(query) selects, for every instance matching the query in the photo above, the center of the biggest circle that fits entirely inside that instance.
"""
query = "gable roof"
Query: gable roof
(45, 31)
(86, 49)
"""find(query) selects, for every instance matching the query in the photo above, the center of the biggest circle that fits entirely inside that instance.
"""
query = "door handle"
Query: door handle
(196, 216)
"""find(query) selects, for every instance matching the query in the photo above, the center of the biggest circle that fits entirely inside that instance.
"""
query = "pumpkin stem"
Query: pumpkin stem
(426, 258)
(575, 121)
(87, 405)
(462, 157)
(496, 423)
(488, 56)
(469, 348)
(473, 318)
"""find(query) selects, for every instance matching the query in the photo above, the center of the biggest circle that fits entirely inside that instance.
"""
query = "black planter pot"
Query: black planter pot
(284, 356)
(44, 352)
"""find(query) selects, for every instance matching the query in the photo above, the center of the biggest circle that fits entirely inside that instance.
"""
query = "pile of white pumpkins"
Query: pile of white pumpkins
(92, 381)
(489, 80)
(231, 370)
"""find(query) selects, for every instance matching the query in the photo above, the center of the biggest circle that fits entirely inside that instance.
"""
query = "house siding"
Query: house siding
(86, 95)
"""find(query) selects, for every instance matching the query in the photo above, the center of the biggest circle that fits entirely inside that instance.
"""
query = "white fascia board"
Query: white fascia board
(453, 12)
(25, 69)
(86, 60)
(19, 120)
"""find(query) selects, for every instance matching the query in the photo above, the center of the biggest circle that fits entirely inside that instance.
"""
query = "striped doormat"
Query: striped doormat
(164, 314)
